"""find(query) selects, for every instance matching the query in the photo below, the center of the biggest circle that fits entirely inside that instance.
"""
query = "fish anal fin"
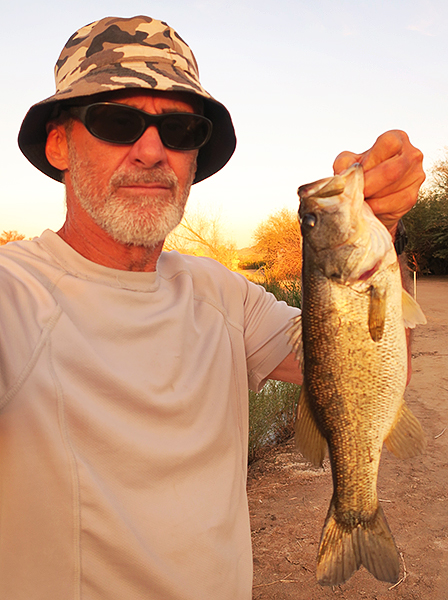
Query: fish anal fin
(406, 438)
(412, 313)
(343, 550)
(309, 440)
(377, 312)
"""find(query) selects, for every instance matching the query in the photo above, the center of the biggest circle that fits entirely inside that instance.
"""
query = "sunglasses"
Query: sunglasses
(123, 124)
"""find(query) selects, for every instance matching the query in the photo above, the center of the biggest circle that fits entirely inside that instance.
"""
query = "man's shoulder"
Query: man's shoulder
(15, 254)
(24, 250)
(27, 273)
(210, 280)
(172, 263)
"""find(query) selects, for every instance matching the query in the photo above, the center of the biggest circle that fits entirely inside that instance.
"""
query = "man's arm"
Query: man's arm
(288, 370)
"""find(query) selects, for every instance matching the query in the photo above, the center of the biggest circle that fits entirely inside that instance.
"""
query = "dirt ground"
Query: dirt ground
(288, 499)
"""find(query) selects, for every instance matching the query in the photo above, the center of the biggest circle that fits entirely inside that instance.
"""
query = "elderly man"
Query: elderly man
(125, 370)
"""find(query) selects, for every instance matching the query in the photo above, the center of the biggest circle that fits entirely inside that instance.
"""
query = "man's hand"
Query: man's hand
(393, 174)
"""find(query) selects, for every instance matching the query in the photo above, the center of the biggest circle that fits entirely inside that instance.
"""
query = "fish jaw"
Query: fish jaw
(335, 203)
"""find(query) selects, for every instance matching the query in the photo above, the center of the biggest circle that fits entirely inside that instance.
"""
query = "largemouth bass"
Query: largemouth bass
(354, 360)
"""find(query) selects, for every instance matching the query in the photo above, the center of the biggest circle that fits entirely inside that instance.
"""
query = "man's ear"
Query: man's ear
(56, 148)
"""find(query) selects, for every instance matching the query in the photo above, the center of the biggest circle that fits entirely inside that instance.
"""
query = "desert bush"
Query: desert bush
(288, 290)
(272, 410)
(427, 224)
(271, 415)
(10, 236)
(279, 241)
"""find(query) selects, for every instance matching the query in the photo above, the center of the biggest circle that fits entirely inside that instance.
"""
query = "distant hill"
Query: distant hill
(250, 258)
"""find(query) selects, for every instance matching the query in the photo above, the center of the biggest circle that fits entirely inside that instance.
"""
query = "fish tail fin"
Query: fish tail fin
(343, 550)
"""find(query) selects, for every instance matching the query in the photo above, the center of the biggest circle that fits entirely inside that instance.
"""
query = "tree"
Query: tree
(427, 224)
(10, 236)
(202, 235)
(279, 240)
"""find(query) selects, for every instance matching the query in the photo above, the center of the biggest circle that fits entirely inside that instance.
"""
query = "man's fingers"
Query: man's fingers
(387, 146)
(397, 205)
(344, 161)
(391, 165)
(397, 173)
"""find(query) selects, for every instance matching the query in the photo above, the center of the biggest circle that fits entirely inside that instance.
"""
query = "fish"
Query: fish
(351, 342)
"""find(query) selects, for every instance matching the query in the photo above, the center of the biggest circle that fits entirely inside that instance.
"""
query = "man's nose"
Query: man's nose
(148, 150)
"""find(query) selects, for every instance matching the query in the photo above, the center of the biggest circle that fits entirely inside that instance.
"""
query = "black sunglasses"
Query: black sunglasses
(123, 124)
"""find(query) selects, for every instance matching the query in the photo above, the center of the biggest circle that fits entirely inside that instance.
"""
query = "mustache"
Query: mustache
(161, 175)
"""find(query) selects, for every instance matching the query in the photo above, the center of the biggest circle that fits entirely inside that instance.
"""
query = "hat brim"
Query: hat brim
(211, 158)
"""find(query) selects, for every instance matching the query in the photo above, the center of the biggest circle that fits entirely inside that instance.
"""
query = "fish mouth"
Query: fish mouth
(329, 195)
(364, 242)
(323, 188)
(329, 186)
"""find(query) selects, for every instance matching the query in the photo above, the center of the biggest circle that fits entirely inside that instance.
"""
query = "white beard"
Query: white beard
(143, 220)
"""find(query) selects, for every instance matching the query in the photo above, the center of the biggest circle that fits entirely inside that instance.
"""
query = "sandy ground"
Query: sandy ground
(288, 499)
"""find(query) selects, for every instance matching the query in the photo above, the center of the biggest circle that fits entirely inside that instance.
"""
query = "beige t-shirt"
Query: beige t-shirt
(124, 422)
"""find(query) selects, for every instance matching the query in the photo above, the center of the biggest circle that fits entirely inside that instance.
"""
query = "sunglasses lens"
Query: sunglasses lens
(184, 132)
(114, 124)
(119, 124)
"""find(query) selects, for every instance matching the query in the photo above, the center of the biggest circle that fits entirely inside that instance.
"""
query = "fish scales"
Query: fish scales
(342, 366)
(354, 353)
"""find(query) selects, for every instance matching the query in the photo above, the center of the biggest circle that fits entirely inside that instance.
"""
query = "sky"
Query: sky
(302, 79)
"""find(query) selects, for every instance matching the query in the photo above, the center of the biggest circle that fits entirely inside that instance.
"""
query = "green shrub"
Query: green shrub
(427, 224)
(272, 410)
(271, 415)
(289, 290)
(251, 264)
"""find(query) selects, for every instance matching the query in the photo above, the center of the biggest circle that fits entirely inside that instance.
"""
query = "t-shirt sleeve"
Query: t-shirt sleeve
(266, 321)
(27, 313)
(260, 319)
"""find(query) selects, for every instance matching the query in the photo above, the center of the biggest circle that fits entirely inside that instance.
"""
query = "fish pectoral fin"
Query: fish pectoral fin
(406, 438)
(309, 440)
(377, 312)
(295, 338)
(412, 313)
(343, 550)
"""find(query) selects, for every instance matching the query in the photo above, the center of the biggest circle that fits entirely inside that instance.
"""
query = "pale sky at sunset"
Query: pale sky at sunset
(303, 80)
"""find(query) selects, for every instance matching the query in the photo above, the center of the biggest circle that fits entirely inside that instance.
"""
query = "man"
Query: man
(125, 370)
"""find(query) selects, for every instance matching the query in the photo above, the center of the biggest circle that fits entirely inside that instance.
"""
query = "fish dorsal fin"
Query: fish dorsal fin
(295, 338)
(406, 438)
(412, 313)
(309, 440)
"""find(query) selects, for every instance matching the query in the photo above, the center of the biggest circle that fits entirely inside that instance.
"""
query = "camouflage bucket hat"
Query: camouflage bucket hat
(135, 53)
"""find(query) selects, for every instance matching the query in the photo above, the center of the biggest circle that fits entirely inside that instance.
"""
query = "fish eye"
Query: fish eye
(308, 221)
